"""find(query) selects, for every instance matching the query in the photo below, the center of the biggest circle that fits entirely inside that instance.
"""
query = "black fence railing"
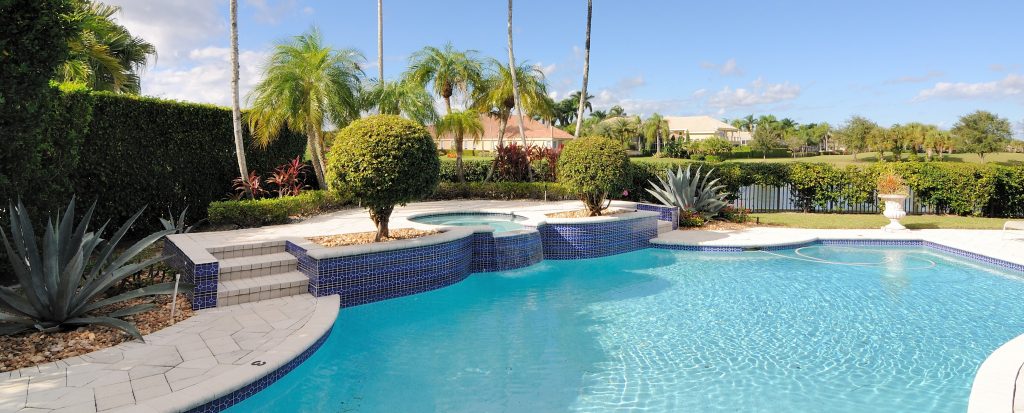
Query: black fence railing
(767, 198)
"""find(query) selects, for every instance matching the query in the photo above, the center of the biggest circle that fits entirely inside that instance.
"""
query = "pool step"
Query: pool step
(262, 287)
(664, 226)
(257, 265)
(257, 271)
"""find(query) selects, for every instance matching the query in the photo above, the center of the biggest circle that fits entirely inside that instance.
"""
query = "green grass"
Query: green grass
(1002, 158)
(860, 221)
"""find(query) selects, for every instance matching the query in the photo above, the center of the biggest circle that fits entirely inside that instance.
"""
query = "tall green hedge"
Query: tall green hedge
(126, 152)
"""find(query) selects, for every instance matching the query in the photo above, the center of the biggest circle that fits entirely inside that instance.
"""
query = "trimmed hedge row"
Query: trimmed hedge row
(502, 190)
(271, 211)
(962, 189)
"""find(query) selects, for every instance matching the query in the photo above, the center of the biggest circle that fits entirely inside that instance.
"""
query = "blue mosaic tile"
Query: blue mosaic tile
(704, 248)
(591, 240)
(203, 276)
(665, 213)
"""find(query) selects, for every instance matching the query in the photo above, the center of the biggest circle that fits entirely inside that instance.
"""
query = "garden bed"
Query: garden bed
(33, 348)
(359, 238)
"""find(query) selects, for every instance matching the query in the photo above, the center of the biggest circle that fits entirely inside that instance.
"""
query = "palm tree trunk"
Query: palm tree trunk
(380, 39)
(515, 82)
(236, 110)
(586, 71)
(316, 153)
(448, 104)
(458, 159)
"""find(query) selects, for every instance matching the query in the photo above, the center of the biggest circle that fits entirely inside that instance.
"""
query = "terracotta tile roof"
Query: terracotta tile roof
(534, 129)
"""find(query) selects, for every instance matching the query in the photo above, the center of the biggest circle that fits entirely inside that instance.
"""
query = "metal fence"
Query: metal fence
(767, 198)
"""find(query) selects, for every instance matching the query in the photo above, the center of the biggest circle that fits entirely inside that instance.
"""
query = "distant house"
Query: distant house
(699, 128)
(537, 134)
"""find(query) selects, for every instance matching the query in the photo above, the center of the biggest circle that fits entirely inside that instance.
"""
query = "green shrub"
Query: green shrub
(502, 190)
(475, 170)
(384, 160)
(697, 156)
(593, 168)
(272, 211)
(713, 158)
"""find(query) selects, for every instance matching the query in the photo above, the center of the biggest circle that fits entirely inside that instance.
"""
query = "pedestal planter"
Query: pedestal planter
(894, 211)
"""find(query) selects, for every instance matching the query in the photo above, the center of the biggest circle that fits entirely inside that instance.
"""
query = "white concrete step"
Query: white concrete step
(247, 250)
(664, 226)
(262, 287)
(257, 266)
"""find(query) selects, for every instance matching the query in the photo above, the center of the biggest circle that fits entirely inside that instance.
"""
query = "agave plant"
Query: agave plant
(63, 279)
(690, 192)
(177, 225)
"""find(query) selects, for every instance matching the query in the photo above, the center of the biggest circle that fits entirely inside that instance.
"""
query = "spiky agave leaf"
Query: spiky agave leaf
(63, 276)
(691, 191)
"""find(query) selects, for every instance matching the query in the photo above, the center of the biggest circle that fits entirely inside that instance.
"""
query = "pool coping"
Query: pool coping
(239, 381)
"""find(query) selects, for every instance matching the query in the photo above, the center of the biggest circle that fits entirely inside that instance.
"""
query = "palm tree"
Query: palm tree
(655, 128)
(449, 71)
(103, 55)
(460, 124)
(380, 40)
(586, 71)
(599, 114)
(236, 110)
(306, 84)
(515, 81)
(616, 111)
(496, 97)
(400, 97)
(577, 100)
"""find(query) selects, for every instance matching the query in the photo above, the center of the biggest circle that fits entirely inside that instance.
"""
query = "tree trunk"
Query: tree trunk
(316, 153)
(458, 159)
(515, 87)
(586, 71)
(447, 105)
(381, 216)
(380, 40)
(929, 153)
(236, 109)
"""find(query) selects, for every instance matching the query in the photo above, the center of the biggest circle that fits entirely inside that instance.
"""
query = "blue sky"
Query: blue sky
(892, 61)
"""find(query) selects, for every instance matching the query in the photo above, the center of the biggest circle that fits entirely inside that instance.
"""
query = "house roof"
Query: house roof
(697, 124)
(534, 129)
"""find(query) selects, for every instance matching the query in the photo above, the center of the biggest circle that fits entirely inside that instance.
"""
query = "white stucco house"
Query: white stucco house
(699, 128)
(537, 134)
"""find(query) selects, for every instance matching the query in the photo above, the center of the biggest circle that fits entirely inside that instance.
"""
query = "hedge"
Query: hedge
(271, 211)
(502, 190)
(128, 152)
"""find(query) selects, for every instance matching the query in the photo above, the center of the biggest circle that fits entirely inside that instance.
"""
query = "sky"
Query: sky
(812, 61)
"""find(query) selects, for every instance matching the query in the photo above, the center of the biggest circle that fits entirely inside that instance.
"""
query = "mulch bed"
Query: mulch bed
(583, 213)
(32, 348)
(358, 238)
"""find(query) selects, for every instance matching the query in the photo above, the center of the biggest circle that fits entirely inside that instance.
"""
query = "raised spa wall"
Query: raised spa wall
(366, 273)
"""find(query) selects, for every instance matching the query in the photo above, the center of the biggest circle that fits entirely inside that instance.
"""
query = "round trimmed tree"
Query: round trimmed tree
(593, 167)
(383, 161)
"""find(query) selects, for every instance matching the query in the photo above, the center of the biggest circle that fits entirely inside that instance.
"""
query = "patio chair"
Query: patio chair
(1011, 226)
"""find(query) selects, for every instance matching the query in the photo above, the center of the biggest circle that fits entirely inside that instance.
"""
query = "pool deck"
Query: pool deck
(211, 354)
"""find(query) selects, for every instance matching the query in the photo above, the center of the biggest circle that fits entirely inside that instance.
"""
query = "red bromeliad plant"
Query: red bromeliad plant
(253, 185)
(286, 178)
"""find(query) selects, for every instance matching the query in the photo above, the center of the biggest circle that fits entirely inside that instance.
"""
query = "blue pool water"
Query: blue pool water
(500, 222)
(835, 329)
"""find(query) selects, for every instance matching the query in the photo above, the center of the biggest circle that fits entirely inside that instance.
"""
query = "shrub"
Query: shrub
(272, 211)
(512, 163)
(502, 190)
(384, 160)
(697, 156)
(475, 170)
(544, 162)
(713, 158)
(63, 282)
(593, 167)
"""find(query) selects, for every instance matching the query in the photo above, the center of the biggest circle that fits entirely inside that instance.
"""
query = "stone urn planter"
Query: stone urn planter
(893, 204)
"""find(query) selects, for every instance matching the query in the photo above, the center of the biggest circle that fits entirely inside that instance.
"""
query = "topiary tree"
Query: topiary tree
(593, 167)
(383, 161)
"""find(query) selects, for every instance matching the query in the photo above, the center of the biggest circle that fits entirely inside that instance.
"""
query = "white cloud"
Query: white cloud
(209, 79)
(547, 70)
(175, 27)
(758, 93)
(729, 68)
(1010, 86)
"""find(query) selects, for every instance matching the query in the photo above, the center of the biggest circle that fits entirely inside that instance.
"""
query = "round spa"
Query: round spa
(500, 222)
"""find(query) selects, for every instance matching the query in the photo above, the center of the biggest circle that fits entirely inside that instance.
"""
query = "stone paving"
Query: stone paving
(191, 354)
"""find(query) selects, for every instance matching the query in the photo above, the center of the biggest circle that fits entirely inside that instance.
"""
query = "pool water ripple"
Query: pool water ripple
(666, 331)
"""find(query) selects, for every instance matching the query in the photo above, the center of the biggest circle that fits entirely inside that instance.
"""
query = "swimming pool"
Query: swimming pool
(500, 222)
(819, 328)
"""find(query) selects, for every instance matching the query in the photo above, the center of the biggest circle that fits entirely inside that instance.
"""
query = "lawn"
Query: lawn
(1003, 158)
(860, 221)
